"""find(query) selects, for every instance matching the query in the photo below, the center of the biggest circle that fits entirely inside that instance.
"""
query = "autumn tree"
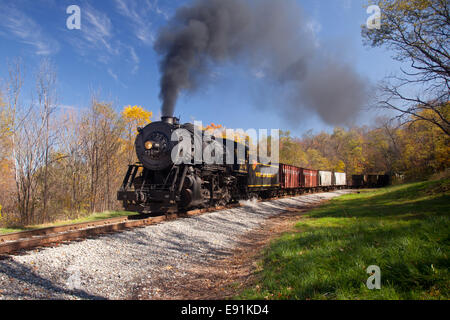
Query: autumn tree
(133, 118)
(14, 113)
(56, 164)
(72, 169)
(5, 131)
(6, 164)
(418, 32)
(424, 149)
(102, 131)
(349, 150)
(34, 138)
(46, 102)
(316, 160)
(25, 130)
(291, 151)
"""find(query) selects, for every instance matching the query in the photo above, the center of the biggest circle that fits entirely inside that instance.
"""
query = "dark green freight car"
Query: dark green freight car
(263, 176)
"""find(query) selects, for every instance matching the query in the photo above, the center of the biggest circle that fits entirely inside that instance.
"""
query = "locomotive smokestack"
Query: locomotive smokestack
(170, 120)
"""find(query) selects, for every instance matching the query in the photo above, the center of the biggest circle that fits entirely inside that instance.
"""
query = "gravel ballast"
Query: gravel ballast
(111, 266)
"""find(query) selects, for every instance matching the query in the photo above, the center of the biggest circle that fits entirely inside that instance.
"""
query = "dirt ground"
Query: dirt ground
(227, 277)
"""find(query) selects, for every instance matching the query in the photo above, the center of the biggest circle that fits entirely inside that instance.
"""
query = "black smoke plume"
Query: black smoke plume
(270, 36)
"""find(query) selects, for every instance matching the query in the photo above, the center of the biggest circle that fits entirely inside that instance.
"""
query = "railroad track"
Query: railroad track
(26, 240)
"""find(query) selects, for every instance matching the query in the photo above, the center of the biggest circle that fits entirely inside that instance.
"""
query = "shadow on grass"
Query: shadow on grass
(400, 201)
(334, 260)
(404, 230)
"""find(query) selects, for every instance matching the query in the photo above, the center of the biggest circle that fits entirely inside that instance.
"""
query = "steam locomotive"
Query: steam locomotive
(158, 184)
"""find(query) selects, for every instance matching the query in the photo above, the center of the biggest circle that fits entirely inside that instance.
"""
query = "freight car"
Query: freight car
(158, 184)
(326, 180)
(340, 180)
(370, 181)
(383, 180)
(309, 179)
(290, 177)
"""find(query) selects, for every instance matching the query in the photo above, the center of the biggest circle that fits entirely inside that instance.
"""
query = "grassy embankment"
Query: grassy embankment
(403, 229)
(93, 217)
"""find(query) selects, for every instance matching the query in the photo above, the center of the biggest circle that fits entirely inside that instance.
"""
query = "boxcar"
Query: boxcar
(372, 180)
(325, 178)
(384, 180)
(359, 181)
(340, 179)
(309, 178)
(289, 176)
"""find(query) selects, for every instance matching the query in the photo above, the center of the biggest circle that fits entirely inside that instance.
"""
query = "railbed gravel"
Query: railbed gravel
(112, 266)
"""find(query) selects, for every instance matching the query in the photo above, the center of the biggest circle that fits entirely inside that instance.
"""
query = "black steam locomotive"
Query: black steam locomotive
(157, 184)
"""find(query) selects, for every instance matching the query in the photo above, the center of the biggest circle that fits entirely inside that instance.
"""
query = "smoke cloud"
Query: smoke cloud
(269, 36)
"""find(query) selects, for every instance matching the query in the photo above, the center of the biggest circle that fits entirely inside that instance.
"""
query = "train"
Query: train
(159, 184)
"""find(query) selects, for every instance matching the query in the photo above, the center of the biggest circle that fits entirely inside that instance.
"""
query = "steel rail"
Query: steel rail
(26, 240)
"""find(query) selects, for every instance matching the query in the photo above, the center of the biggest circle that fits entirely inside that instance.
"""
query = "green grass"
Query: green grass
(9, 230)
(402, 229)
(90, 218)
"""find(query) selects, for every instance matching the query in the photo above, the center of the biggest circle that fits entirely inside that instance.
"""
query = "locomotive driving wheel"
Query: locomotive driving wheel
(226, 197)
(206, 195)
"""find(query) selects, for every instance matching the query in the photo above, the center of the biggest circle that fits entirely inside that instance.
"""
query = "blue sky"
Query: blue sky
(113, 53)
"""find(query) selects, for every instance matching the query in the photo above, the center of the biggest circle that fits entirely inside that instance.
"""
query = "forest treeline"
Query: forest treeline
(60, 162)
(63, 162)
(409, 151)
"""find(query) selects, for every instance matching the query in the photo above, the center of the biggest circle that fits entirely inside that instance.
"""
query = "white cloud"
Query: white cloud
(26, 30)
(97, 31)
(135, 59)
(116, 77)
(138, 12)
(98, 38)
(347, 4)
(112, 74)
(314, 27)
(159, 10)
(259, 74)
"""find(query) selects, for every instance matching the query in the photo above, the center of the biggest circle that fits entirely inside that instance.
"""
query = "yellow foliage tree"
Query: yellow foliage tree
(291, 151)
(133, 118)
(5, 125)
(425, 149)
(5, 150)
(136, 116)
(340, 167)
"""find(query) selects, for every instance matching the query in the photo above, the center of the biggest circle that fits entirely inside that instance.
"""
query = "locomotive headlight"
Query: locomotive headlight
(148, 145)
